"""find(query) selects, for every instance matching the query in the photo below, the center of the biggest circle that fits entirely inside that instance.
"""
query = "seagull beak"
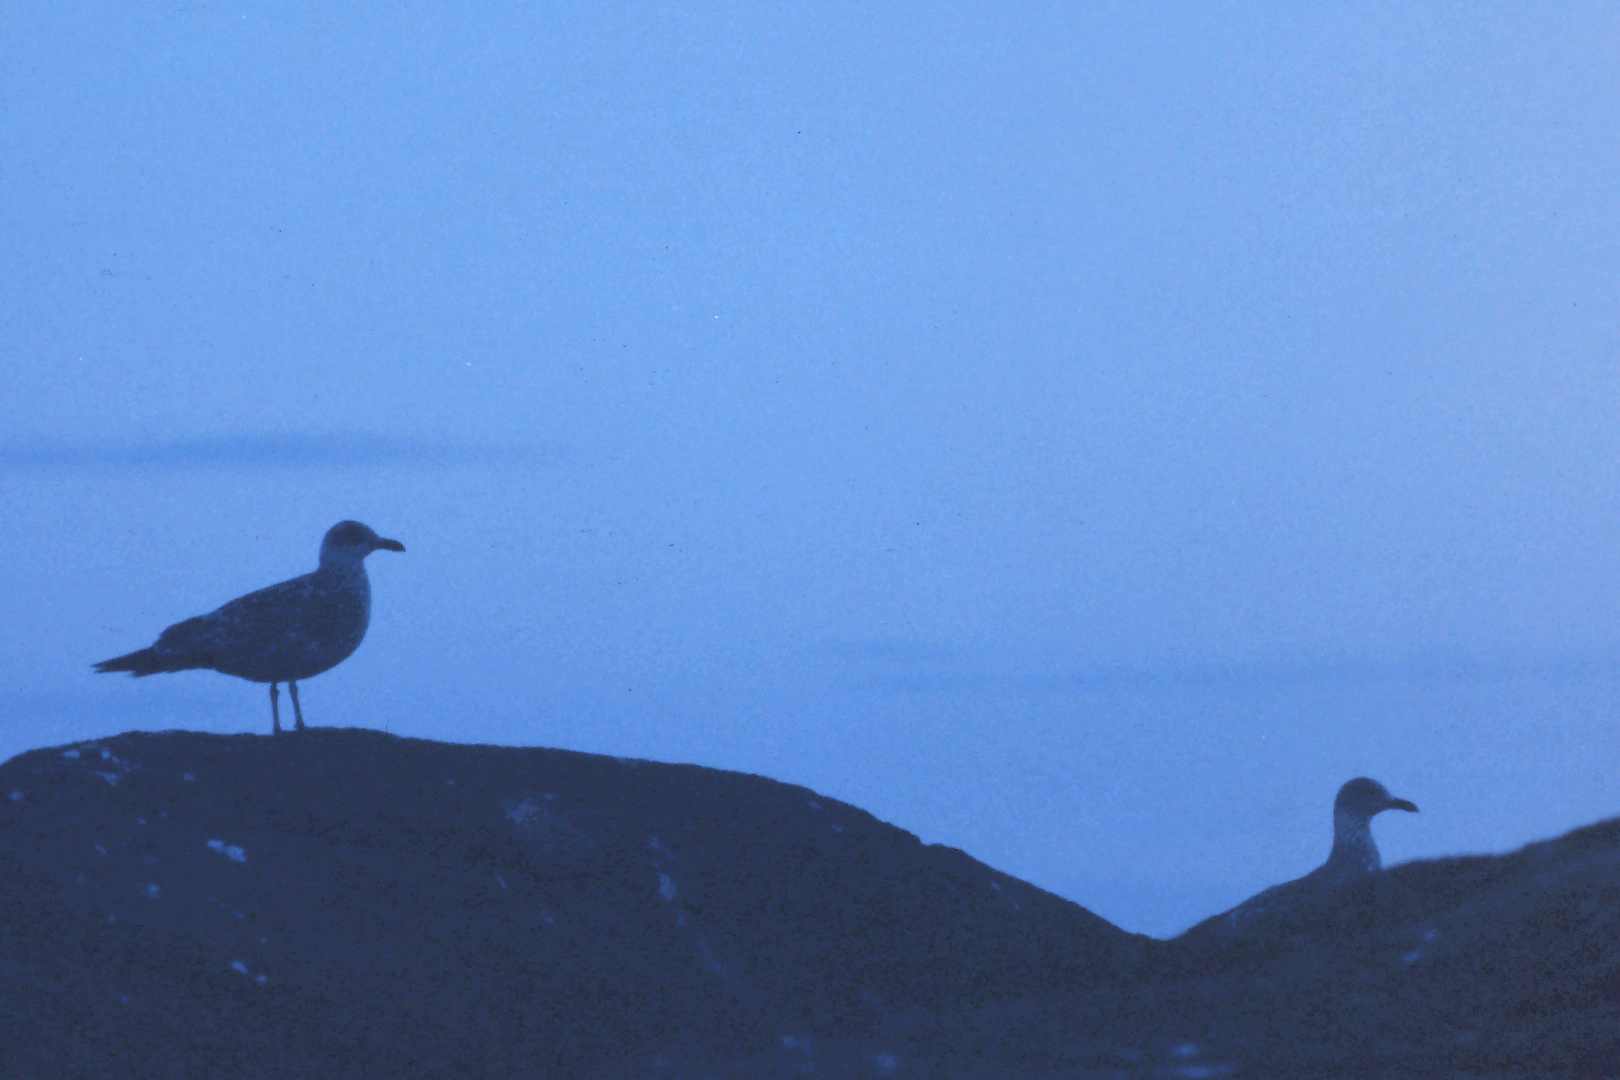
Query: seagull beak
(1401, 804)
(389, 545)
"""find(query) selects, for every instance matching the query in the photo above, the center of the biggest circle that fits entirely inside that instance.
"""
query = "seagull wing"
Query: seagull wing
(231, 636)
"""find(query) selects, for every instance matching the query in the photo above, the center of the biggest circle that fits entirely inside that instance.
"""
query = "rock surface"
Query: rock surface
(350, 904)
(347, 903)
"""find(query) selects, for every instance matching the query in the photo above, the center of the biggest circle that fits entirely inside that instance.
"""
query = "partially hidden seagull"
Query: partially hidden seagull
(291, 631)
(1354, 853)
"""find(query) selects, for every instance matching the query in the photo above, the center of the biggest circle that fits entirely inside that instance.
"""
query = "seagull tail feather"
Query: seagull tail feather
(177, 649)
(142, 662)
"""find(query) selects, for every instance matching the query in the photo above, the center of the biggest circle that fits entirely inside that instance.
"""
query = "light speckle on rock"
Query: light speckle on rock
(231, 851)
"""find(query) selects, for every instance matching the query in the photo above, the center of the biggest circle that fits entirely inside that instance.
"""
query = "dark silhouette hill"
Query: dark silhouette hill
(350, 904)
(1475, 967)
(347, 903)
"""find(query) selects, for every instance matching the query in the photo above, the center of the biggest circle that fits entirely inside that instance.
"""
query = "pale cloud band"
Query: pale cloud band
(341, 451)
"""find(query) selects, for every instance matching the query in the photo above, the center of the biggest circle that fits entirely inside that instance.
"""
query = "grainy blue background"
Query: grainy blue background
(1081, 434)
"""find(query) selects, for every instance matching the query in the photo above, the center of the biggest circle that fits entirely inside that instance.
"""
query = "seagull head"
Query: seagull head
(1362, 798)
(348, 542)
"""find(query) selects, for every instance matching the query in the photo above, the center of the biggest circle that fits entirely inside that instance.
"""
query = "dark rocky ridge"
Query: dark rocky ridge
(497, 911)
(1476, 967)
(349, 904)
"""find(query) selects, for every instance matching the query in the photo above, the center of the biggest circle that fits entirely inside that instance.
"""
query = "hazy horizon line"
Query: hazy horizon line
(1191, 674)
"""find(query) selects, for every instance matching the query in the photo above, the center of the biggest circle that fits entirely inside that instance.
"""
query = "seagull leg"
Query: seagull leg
(275, 711)
(292, 688)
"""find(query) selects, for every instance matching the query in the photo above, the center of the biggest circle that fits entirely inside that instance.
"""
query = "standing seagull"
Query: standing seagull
(291, 631)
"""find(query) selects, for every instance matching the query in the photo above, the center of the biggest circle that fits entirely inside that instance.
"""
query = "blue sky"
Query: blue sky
(1085, 437)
